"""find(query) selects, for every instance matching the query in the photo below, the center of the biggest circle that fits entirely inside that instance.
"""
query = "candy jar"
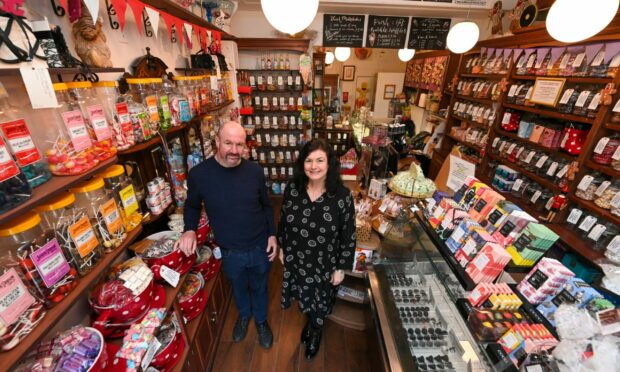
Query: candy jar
(115, 106)
(605, 149)
(568, 99)
(598, 67)
(40, 258)
(195, 84)
(185, 90)
(141, 93)
(17, 138)
(125, 195)
(70, 150)
(605, 193)
(74, 232)
(179, 107)
(92, 197)
(98, 124)
(206, 97)
(139, 120)
(588, 185)
(163, 104)
(575, 135)
(583, 101)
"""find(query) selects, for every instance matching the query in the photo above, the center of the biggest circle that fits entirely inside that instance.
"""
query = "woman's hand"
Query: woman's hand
(337, 277)
(187, 243)
(281, 256)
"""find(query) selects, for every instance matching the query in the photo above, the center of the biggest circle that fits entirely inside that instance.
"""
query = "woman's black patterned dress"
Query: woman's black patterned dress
(317, 238)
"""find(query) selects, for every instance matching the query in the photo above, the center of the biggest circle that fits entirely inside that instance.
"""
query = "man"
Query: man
(235, 198)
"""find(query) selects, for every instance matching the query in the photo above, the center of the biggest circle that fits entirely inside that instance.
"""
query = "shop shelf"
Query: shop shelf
(276, 112)
(596, 209)
(466, 144)
(154, 218)
(483, 76)
(192, 327)
(615, 127)
(527, 142)
(538, 179)
(550, 114)
(484, 101)
(211, 109)
(470, 123)
(606, 169)
(156, 140)
(10, 358)
(66, 70)
(53, 187)
(335, 130)
(569, 79)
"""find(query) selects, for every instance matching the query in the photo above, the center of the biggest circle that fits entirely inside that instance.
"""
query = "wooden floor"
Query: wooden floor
(341, 349)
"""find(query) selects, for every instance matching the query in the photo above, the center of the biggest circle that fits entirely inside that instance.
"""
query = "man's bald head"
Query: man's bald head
(230, 144)
(231, 128)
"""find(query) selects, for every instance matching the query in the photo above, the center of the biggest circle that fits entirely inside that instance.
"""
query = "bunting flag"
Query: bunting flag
(541, 53)
(137, 8)
(188, 33)
(120, 6)
(555, 54)
(516, 55)
(203, 39)
(611, 49)
(490, 52)
(93, 9)
(153, 18)
(169, 20)
(591, 51)
(178, 26)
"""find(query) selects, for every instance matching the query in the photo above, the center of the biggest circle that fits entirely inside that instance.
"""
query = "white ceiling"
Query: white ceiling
(396, 7)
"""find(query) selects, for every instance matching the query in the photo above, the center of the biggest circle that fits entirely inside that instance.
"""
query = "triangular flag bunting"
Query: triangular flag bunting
(203, 38)
(178, 26)
(137, 8)
(169, 20)
(153, 18)
(93, 9)
(120, 6)
(188, 33)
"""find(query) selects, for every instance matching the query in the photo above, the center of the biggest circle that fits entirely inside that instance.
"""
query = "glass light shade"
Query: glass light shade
(290, 16)
(405, 55)
(329, 58)
(342, 53)
(570, 21)
(462, 37)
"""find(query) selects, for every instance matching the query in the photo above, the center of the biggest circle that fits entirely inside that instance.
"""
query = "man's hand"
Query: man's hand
(281, 256)
(187, 243)
(337, 277)
(272, 248)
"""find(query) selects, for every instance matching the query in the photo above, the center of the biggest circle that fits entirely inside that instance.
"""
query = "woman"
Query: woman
(317, 237)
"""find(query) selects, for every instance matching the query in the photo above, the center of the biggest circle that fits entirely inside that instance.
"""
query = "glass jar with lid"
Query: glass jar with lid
(139, 120)
(97, 122)
(115, 106)
(141, 92)
(163, 104)
(74, 232)
(17, 138)
(206, 97)
(177, 103)
(583, 101)
(605, 193)
(195, 84)
(587, 186)
(531, 193)
(103, 212)
(183, 87)
(125, 195)
(23, 305)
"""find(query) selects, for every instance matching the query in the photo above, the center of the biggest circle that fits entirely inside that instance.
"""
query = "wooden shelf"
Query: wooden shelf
(447, 92)
(466, 144)
(615, 127)
(606, 169)
(550, 114)
(65, 71)
(275, 112)
(153, 141)
(569, 79)
(12, 357)
(356, 285)
(472, 123)
(154, 218)
(484, 101)
(484, 76)
(172, 8)
(335, 130)
(534, 177)
(526, 141)
(269, 70)
(296, 45)
(589, 205)
(215, 108)
(192, 327)
(53, 187)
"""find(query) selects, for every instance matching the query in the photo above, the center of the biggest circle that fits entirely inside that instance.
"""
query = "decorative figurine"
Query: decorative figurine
(90, 41)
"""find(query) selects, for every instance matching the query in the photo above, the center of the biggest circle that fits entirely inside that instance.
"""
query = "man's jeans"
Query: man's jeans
(248, 272)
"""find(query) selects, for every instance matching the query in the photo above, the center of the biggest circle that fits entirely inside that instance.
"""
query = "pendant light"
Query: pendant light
(570, 21)
(405, 55)
(329, 58)
(290, 16)
(463, 36)
(342, 53)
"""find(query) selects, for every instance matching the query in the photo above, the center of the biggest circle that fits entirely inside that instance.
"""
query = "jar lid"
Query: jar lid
(60, 86)
(58, 202)
(112, 171)
(79, 84)
(88, 186)
(181, 78)
(111, 84)
(137, 81)
(198, 77)
(20, 224)
(156, 80)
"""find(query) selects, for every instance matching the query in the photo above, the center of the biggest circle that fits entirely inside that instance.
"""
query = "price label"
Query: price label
(564, 139)
(496, 140)
(562, 172)
(615, 202)
(83, 236)
(564, 61)
(300, 102)
(600, 146)
(297, 80)
(617, 106)
(260, 80)
(541, 161)
(519, 89)
(291, 101)
(531, 60)
(456, 106)
(274, 102)
(549, 204)
(536, 196)
(520, 151)
(517, 185)
(616, 155)
(487, 113)
(521, 61)
(50, 263)
(18, 137)
(614, 245)
(476, 87)
(280, 80)
(574, 216)
(530, 156)
(598, 59)
(265, 102)
(128, 199)
(587, 223)
(585, 183)
(111, 216)
(74, 122)
(269, 80)
(512, 148)
(150, 353)
(566, 96)
(289, 80)
(579, 60)
(595, 101)
(15, 298)
(257, 101)
(528, 95)
(293, 120)
(501, 147)
(460, 85)
(274, 121)
(506, 118)
(552, 168)
(539, 63)
(169, 275)
(252, 81)
(583, 97)
(596, 232)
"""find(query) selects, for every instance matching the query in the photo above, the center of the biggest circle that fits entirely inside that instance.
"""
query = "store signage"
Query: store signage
(345, 30)
(547, 91)
(428, 33)
(386, 32)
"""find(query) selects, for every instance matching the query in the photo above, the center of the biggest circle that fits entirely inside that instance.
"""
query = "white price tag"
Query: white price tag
(601, 189)
(476, 87)
(517, 185)
(615, 202)
(501, 147)
(549, 204)
(39, 87)
(496, 140)
(541, 161)
(579, 60)
(528, 95)
(531, 60)
(562, 172)
(252, 81)
(552, 168)
(280, 80)
(269, 80)
(536, 196)
(566, 96)
(150, 353)
(598, 59)
(274, 103)
(169, 275)
(595, 101)
(616, 155)
(564, 139)
(512, 148)
(614, 245)
(574, 216)
(506, 118)
(596, 232)
(564, 60)
(289, 80)
(583, 97)
(297, 80)
(585, 182)
(600, 146)
(587, 223)
(217, 253)
(513, 90)
(530, 156)
(617, 106)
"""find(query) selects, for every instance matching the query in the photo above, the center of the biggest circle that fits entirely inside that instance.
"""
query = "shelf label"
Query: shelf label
(297, 80)
(260, 80)
(616, 155)
(617, 106)
(536, 196)
(99, 122)
(587, 223)
(566, 96)
(541, 161)
(520, 151)
(269, 80)
(574, 216)
(289, 80)
(280, 80)
(496, 140)
(531, 60)
(552, 168)
(530, 156)
(274, 103)
(600, 146)
(128, 198)
(579, 60)
(564, 60)
(585, 182)
(614, 245)
(74, 122)
(517, 185)
(506, 118)
(595, 101)
(598, 59)
(512, 148)
(549, 204)
(583, 97)
(615, 202)
(602, 187)
(14, 297)
(562, 172)
(111, 216)
(597, 231)
(252, 81)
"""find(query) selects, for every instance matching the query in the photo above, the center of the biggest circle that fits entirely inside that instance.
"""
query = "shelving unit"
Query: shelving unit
(538, 146)
(550, 114)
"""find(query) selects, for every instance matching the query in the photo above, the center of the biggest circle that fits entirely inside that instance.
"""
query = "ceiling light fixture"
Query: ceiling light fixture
(570, 21)
(329, 58)
(342, 53)
(405, 55)
(463, 36)
(290, 16)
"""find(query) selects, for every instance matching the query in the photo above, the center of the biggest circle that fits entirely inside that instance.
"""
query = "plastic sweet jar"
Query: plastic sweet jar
(605, 194)
(98, 124)
(163, 104)
(195, 85)
(120, 185)
(210, 84)
(115, 107)
(39, 257)
(104, 214)
(605, 149)
(177, 103)
(586, 188)
(69, 148)
(74, 231)
(574, 137)
(602, 234)
(17, 138)
(22, 304)
(183, 87)
(140, 91)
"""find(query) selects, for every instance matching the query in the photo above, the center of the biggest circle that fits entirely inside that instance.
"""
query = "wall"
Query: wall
(383, 78)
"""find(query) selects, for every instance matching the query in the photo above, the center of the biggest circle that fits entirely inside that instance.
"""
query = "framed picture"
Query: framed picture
(348, 73)
(547, 91)
(388, 91)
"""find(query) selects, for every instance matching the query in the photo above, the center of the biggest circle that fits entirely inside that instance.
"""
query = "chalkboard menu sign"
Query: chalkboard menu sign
(344, 30)
(428, 33)
(386, 32)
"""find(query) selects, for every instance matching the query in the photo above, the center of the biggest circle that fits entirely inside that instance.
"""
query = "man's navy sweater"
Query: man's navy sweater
(236, 202)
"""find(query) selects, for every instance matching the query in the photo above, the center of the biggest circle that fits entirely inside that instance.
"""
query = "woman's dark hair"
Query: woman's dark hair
(333, 182)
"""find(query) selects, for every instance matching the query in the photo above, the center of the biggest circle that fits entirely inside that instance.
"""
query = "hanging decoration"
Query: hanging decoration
(93, 8)
(154, 18)
(137, 8)
(13, 6)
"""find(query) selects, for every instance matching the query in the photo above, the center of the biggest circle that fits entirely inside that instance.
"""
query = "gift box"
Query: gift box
(494, 296)
(526, 338)
(511, 227)
(461, 232)
(440, 210)
(472, 195)
(460, 193)
(490, 325)
(532, 243)
(472, 244)
(545, 279)
(488, 264)
(574, 291)
(452, 218)
(483, 206)
(498, 214)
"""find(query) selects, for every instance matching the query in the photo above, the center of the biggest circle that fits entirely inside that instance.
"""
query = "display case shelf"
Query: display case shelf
(10, 358)
(550, 114)
(527, 142)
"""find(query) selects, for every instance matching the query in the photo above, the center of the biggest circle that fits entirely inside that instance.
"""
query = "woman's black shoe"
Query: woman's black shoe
(312, 347)
(305, 333)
